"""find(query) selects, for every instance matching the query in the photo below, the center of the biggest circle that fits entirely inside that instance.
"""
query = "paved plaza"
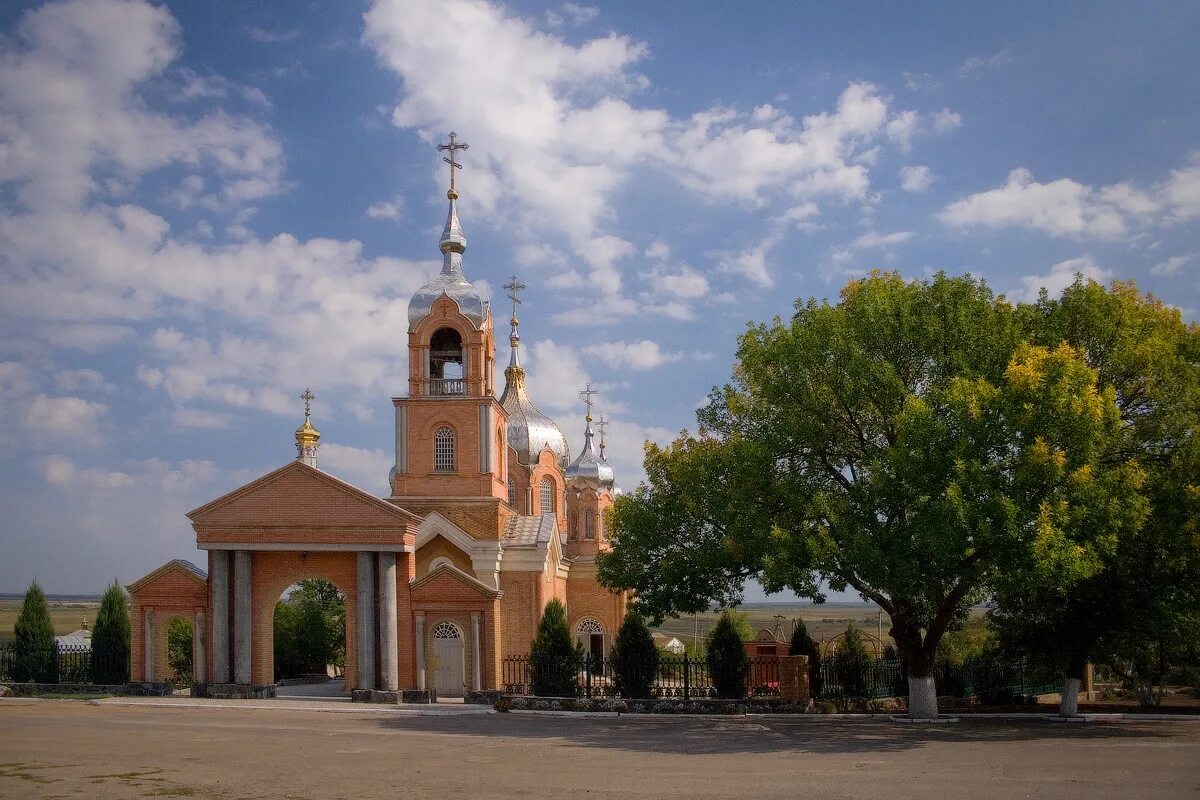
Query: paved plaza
(71, 749)
(76, 749)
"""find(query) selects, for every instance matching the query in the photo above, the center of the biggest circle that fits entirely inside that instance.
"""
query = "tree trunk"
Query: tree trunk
(922, 697)
(1068, 705)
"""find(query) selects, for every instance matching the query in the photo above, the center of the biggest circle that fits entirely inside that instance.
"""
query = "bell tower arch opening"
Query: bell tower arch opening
(447, 368)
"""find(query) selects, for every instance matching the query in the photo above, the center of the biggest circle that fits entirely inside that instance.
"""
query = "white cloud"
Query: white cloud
(1182, 191)
(574, 13)
(915, 178)
(66, 417)
(555, 375)
(687, 283)
(1060, 276)
(977, 65)
(945, 120)
(750, 263)
(199, 418)
(362, 467)
(642, 355)
(875, 239)
(76, 380)
(387, 209)
(1172, 265)
(1059, 208)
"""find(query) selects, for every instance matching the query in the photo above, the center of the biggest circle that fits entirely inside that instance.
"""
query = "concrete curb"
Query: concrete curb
(325, 708)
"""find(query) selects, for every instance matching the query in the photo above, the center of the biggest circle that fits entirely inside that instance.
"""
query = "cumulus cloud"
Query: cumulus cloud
(1060, 276)
(975, 66)
(363, 467)
(1059, 208)
(642, 355)
(915, 178)
(74, 418)
(387, 209)
(1171, 266)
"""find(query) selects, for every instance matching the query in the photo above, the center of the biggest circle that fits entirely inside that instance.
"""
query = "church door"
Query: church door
(448, 655)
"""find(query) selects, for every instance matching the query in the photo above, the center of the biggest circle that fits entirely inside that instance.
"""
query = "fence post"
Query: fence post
(687, 677)
(589, 662)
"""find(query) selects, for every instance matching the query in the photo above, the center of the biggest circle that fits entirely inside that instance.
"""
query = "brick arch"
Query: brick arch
(275, 571)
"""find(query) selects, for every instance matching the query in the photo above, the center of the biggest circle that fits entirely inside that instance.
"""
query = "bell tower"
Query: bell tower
(450, 429)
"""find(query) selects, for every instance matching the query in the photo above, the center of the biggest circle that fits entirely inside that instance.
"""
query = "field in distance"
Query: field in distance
(66, 612)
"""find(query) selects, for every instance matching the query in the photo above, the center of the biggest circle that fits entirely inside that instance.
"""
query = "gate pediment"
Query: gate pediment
(298, 506)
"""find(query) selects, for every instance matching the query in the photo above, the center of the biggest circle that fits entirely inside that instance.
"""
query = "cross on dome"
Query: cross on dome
(587, 395)
(308, 397)
(453, 147)
(514, 289)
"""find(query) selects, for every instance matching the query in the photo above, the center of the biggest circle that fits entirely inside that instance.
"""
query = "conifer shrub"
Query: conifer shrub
(803, 645)
(110, 638)
(35, 656)
(634, 657)
(728, 664)
(853, 662)
(554, 660)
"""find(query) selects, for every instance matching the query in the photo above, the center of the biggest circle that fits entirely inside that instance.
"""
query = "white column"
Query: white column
(389, 667)
(476, 651)
(242, 617)
(366, 620)
(199, 650)
(219, 583)
(148, 646)
(420, 628)
(401, 439)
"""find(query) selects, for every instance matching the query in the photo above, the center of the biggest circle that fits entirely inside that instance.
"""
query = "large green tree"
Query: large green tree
(1139, 608)
(35, 655)
(554, 659)
(906, 442)
(110, 638)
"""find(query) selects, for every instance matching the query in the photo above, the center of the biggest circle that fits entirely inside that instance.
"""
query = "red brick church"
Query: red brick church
(488, 519)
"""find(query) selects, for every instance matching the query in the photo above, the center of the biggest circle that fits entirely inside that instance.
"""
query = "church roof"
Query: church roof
(522, 531)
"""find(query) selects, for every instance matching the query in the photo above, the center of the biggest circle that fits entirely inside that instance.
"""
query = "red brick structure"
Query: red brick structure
(485, 524)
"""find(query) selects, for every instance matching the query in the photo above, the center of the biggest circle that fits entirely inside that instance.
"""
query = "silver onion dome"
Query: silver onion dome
(590, 469)
(450, 281)
(529, 430)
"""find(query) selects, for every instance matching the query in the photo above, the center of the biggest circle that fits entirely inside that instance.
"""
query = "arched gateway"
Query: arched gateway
(443, 577)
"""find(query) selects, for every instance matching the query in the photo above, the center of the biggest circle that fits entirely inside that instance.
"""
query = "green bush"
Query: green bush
(852, 662)
(179, 651)
(634, 657)
(110, 638)
(34, 650)
(728, 664)
(554, 660)
(305, 638)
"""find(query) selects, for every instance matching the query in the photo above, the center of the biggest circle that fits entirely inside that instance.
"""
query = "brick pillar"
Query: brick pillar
(242, 617)
(148, 646)
(793, 678)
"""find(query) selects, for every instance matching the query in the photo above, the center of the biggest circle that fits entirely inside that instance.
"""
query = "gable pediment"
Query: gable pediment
(301, 504)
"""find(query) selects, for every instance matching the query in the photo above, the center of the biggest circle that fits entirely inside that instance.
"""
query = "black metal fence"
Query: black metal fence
(686, 677)
(62, 664)
(674, 676)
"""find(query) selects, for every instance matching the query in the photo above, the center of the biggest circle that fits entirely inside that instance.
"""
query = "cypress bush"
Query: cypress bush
(554, 660)
(853, 661)
(728, 664)
(634, 657)
(34, 650)
(803, 645)
(110, 638)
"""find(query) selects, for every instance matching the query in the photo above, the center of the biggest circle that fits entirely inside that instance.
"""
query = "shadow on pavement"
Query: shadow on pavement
(755, 735)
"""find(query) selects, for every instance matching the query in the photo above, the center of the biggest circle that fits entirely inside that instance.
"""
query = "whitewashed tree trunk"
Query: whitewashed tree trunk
(922, 698)
(1068, 706)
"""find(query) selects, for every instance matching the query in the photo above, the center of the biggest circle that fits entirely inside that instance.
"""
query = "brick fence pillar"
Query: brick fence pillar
(793, 678)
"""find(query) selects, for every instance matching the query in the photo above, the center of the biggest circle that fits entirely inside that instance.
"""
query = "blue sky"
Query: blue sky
(206, 207)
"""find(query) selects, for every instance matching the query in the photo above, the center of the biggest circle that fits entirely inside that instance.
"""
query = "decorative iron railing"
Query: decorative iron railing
(686, 677)
(446, 387)
(63, 664)
(673, 676)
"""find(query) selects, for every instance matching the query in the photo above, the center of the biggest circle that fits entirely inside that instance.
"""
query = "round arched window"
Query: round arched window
(443, 450)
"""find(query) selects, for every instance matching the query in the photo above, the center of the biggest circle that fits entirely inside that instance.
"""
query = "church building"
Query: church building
(488, 519)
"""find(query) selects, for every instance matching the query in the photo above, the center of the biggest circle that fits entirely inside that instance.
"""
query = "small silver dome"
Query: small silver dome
(450, 281)
(529, 430)
(590, 469)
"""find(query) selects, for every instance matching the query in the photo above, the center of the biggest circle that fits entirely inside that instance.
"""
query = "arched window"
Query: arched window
(501, 455)
(447, 363)
(547, 496)
(447, 630)
(443, 450)
(512, 492)
(589, 524)
(573, 527)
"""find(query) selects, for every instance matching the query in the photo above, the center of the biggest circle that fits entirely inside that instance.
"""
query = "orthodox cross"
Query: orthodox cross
(587, 395)
(514, 288)
(308, 397)
(602, 425)
(452, 147)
